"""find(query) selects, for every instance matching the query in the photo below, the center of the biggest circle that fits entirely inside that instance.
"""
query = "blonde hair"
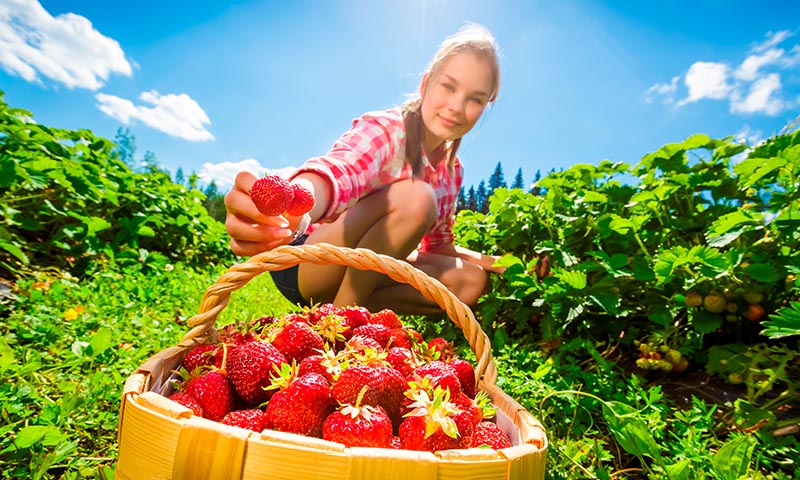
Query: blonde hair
(472, 38)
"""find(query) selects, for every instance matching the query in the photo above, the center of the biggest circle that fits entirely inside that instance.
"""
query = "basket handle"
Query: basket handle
(217, 295)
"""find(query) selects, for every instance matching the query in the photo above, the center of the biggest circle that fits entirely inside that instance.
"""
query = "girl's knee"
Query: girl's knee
(414, 199)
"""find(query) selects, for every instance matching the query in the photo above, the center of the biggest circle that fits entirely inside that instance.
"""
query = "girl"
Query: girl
(388, 184)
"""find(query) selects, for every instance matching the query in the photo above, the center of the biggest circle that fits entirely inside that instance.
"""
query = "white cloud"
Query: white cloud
(754, 87)
(760, 98)
(749, 69)
(706, 80)
(666, 90)
(66, 49)
(748, 136)
(224, 174)
(176, 115)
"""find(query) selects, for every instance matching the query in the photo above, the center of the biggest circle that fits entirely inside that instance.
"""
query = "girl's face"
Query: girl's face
(453, 98)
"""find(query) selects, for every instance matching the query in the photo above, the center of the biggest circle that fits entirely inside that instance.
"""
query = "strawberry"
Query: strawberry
(302, 407)
(187, 401)
(353, 379)
(387, 318)
(201, 356)
(252, 419)
(393, 388)
(440, 374)
(298, 340)
(251, 367)
(489, 434)
(399, 337)
(213, 392)
(359, 343)
(302, 201)
(329, 364)
(272, 195)
(402, 359)
(435, 423)
(355, 316)
(376, 331)
(466, 375)
(359, 426)
(444, 347)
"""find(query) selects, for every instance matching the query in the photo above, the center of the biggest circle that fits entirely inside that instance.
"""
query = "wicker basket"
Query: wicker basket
(159, 439)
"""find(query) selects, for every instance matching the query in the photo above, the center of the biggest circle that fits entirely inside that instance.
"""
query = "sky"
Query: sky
(217, 87)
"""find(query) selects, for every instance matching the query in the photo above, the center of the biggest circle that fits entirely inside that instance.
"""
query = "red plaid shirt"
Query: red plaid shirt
(371, 155)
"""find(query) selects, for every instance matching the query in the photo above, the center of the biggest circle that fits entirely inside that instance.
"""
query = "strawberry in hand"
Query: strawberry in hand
(273, 196)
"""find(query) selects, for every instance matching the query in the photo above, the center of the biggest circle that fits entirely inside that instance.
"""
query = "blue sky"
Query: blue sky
(215, 87)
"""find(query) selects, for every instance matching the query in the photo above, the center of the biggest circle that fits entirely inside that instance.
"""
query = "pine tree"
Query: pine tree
(497, 180)
(535, 189)
(126, 146)
(180, 178)
(518, 181)
(472, 203)
(482, 198)
(461, 200)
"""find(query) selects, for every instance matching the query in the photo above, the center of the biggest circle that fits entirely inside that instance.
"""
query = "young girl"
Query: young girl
(388, 184)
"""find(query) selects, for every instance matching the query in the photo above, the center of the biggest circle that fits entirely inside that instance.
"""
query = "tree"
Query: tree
(461, 200)
(482, 198)
(497, 180)
(472, 203)
(214, 202)
(518, 181)
(180, 178)
(535, 189)
(126, 146)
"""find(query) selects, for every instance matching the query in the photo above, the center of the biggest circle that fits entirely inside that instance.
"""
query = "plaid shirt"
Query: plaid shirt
(370, 156)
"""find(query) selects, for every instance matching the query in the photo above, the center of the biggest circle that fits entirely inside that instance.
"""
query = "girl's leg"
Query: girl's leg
(390, 221)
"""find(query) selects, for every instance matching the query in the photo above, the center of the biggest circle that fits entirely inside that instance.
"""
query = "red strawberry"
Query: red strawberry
(187, 401)
(298, 340)
(488, 433)
(302, 200)
(252, 419)
(392, 392)
(329, 364)
(376, 331)
(387, 318)
(352, 379)
(272, 195)
(444, 347)
(201, 356)
(302, 407)
(441, 374)
(399, 337)
(251, 368)
(359, 426)
(359, 343)
(466, 375)
(213, 392)
(435, 424)
(402, 360)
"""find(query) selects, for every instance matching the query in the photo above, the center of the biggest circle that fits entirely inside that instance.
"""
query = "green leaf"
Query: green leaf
(732, 461)
(629, 431)
(785, 322)
(729, 227)
(14, 250)
(575, 280)
(706, 322)
(31, 435)
(101, 341)
(680, 471)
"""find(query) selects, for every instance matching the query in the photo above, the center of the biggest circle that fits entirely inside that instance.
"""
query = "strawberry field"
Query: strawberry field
(663, 343)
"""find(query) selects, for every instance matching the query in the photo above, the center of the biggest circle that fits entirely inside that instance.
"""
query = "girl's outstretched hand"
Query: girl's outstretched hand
(251, 231)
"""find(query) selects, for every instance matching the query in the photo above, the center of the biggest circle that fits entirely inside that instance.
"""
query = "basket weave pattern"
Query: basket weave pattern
(159, 439)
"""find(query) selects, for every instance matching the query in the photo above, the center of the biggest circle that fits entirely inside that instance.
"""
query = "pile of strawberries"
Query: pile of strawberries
(344, 375)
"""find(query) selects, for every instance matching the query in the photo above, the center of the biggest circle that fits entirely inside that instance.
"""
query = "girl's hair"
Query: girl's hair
(471, 38)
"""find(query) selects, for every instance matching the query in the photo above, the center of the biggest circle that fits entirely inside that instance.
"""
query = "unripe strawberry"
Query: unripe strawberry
(714, 303)
(693, 299)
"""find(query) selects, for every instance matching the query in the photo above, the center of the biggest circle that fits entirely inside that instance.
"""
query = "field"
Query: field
(663, 345)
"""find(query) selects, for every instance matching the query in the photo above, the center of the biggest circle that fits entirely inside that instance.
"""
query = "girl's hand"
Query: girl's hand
(252, 232)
